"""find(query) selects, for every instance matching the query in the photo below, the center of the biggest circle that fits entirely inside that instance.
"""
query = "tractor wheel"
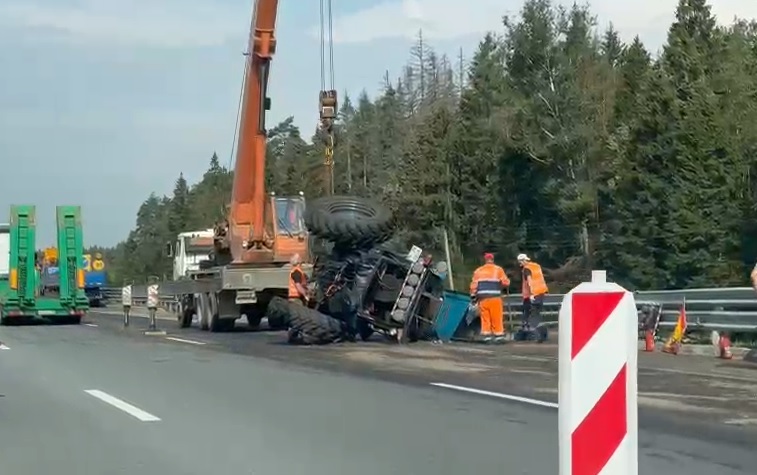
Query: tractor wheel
(278, 313)
(312, 326)
(349, 221)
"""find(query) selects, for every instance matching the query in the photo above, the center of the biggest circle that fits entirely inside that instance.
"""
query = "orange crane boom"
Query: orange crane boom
(247, 213)
(262, 229)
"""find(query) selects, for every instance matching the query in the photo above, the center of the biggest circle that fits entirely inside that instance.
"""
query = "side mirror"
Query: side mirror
(169, 249)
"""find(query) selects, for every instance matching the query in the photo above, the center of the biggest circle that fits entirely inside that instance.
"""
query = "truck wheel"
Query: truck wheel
(314, 327)
(349, 221)
(186, 316)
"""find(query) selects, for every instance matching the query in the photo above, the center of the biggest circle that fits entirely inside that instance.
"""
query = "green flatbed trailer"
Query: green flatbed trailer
(20, 299)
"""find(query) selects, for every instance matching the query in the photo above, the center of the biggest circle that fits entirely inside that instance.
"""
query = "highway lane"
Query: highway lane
(699, 395)
(230, 413)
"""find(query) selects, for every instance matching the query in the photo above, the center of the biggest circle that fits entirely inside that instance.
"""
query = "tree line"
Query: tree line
(555, 139)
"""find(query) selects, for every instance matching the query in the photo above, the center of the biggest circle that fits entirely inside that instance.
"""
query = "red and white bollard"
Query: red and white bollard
(598, 353)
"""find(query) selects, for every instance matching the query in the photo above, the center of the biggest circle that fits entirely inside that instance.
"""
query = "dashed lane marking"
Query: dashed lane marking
(4, 347)
(182, 340)
(122, 405)
(509, 397)
(90, 325)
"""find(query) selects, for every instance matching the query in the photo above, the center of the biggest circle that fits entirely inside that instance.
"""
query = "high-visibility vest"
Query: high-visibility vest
(488, 281)
(293, 292)
(538, 284)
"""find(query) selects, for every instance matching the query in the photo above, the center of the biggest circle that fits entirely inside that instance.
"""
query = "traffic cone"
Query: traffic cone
(649, 340)
(725, 347)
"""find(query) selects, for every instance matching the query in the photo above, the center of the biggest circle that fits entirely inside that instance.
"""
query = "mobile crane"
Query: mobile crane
(262, 232)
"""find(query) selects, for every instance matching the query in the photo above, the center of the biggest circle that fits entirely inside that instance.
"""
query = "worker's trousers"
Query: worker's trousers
(532, 317)
(492, 316)
(532, 311)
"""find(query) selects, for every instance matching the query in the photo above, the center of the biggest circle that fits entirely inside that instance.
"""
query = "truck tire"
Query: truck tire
(349, 221)
(312, 326)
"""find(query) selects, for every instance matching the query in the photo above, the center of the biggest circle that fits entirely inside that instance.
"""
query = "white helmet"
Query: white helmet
(523, 257)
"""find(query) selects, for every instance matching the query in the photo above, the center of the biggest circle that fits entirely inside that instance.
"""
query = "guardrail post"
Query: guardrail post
(597, 392)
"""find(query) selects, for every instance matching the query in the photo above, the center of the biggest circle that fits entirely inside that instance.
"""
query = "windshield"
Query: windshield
(290, 214)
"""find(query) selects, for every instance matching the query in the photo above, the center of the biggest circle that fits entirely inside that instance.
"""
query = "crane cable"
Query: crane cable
(326, 16)
(228, 193)
(327, 43)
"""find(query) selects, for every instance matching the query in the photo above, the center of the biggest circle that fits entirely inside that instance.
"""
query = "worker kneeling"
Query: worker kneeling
(298, 283)
(486, 289)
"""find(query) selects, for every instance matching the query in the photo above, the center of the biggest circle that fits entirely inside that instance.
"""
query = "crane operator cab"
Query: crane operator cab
(289, 218)
(290, 215)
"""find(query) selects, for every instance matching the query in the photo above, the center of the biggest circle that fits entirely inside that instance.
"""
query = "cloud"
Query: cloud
(439, 19)
(451, 19)
(152, 23)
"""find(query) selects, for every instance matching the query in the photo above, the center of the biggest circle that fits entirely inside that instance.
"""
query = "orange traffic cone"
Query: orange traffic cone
(725, 347)
(648, 340)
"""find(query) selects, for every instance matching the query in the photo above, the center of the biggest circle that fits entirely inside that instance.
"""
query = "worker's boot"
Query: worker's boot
(499, 339)
(486, 338)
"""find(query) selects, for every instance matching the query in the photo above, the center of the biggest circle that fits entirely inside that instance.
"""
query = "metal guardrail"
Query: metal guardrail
(732, 309)
(724, 309)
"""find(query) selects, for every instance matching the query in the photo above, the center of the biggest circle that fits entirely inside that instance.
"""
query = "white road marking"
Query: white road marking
(182, 340)
(90, 325)
(122, 405)
(4, 347)
(509, 397)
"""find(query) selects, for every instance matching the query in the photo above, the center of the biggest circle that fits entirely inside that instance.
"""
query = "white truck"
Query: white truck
(190, 249)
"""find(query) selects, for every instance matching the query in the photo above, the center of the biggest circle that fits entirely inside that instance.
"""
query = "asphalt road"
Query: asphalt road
(94, 399)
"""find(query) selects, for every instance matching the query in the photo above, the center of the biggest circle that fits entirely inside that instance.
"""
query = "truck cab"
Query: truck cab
(189, 250)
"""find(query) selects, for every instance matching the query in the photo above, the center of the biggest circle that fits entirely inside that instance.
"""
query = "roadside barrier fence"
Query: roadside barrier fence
(730, 309)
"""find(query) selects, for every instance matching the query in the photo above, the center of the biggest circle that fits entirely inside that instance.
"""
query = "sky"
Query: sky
(104, 101)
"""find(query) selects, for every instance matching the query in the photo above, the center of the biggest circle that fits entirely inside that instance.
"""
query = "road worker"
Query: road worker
(486, 289)
(534, 290)
(298, 283)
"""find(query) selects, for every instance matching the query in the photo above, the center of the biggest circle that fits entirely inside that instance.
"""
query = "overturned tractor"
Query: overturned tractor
(360, 286)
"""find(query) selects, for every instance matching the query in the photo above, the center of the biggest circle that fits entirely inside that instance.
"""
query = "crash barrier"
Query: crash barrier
(597, 380)
(732, 309)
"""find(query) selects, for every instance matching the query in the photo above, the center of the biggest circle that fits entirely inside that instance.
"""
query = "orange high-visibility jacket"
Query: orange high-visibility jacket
(293, 292)
(488, 281)
(538, 284)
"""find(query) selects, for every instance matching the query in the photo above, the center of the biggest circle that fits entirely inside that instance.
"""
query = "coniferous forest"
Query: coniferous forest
(553, 138)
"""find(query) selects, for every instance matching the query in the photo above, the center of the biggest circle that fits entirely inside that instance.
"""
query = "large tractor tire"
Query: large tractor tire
(312, 327)
(349, 221)
(278, 313)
